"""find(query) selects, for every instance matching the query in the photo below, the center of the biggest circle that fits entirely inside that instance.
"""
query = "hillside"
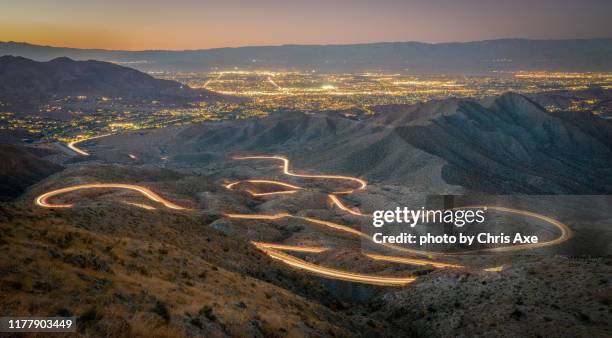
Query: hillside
(508, 144)
(20, 168)
(512, 144)
(126, 265)
(537, 296)
(25, 80)
(143, 272)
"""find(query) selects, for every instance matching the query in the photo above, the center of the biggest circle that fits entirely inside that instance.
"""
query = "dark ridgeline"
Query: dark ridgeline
(26, 81)
(21, 167)
(511, 144)
(502, 145)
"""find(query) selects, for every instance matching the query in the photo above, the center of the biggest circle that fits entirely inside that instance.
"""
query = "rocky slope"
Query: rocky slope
(512, 144)
(20, 168)
(128, 271)
(125, 270)
(507, 144)
(25, 80)
(543, 297)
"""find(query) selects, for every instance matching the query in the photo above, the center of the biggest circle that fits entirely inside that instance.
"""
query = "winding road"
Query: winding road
(43, 200)
(73, 145)
(278, 251)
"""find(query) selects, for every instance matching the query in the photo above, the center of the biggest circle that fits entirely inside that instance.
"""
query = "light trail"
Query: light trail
(285, 247)
(336, 273)
(413, 261)
(73, 145)
(275, 85)
(566, 232)
(336, 201)
(211, 80)
(423, 262)
(283, 184)
(564, 229)
(43, 200)
(140, 205)
(275, 251)
(258, 194)
(332, 196)
(255, 216)
(332, 225)
(495, 269)
(294, 188)
(328, 224)
(362, 184)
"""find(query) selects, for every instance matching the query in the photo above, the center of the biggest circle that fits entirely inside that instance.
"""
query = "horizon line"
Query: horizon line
(300, 44)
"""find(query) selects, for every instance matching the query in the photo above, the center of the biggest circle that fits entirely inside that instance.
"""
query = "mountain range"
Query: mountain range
(505, 144)
(125, 268)
(25, 81)
(415, 57)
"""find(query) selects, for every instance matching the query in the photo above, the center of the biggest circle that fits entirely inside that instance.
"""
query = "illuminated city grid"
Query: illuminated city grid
(352, 95)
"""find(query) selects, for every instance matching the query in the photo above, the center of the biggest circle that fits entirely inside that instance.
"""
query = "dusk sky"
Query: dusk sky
(192, 24)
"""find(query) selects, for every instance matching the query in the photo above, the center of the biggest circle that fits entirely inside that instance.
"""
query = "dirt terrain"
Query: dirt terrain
(128, 263)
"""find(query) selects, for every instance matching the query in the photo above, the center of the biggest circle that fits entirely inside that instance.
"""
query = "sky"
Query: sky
(201, 24)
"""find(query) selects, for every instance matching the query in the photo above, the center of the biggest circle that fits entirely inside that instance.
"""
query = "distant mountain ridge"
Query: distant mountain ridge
(512, 143)
(507, 144)
(25, 80)
(459, 57)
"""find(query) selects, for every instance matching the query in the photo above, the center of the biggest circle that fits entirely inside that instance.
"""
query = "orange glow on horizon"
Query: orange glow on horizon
(189, 24)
